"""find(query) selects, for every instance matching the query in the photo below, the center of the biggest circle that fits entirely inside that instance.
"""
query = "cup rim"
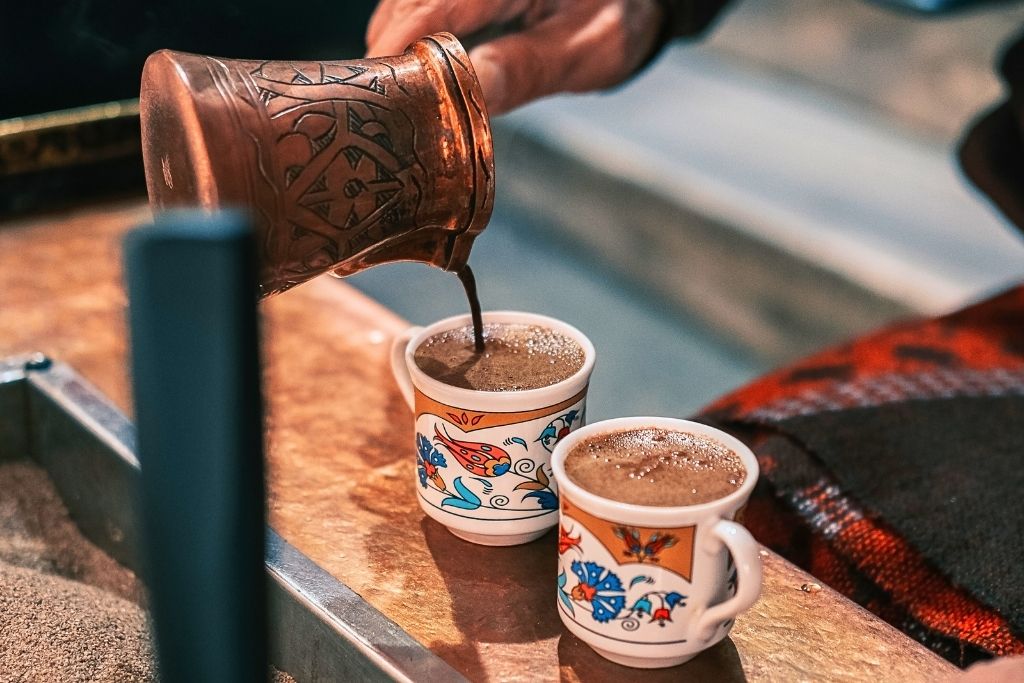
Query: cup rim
(434, 387)
(657, 514)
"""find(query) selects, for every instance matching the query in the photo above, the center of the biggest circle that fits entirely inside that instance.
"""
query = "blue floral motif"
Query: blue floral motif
(539, 487)
(600, 587)
(557, 429)
(674, 598)
(428, 460)
(546, 498)
(516, 439)
(428, 453)
(641, 606)
(645, 607)
(465, 499)
(563, 596)
(657, 605)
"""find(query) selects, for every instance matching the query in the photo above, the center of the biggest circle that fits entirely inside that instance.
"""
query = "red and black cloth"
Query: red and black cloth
(893, 466)
(893, 470)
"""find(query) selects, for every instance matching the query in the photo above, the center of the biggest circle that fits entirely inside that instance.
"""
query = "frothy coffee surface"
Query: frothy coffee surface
(516, 357)
(652, 466)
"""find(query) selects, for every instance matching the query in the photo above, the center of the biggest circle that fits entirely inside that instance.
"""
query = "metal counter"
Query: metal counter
(361, 581)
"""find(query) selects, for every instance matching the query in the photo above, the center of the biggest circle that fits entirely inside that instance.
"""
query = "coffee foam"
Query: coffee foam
(653, 466)
(516, 357)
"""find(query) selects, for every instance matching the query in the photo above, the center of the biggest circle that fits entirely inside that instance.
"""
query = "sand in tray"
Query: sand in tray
(55, 629)
(68, 612)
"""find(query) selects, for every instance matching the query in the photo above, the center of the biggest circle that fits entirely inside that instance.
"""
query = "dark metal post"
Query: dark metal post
(192, 285)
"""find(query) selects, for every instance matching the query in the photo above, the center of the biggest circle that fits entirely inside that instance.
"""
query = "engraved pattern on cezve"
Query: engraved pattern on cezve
(347, 172)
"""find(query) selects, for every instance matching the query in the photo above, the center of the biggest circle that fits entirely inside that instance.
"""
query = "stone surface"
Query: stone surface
(341, 473)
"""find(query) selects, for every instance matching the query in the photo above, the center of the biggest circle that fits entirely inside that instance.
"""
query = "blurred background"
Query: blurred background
(785, 183)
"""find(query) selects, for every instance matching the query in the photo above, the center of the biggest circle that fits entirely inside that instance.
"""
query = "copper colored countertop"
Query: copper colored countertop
(341, 483)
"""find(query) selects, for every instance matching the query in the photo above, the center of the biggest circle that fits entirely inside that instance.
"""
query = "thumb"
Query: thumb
(490, 71)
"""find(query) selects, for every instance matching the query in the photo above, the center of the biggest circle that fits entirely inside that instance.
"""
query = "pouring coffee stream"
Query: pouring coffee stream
(469, 284)
(342, 165)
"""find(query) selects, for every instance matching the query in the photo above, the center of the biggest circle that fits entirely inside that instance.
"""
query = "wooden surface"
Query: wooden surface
(341, 483)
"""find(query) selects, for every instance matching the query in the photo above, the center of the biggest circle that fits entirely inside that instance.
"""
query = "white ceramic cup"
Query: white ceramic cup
(483, 458)
(628, 594)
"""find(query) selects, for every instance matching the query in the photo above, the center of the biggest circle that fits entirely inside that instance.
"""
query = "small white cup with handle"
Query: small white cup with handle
(636, 597)
(483, 458)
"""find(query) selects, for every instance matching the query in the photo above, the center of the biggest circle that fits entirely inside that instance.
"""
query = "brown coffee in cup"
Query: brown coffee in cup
(654, 466)
(516, 357)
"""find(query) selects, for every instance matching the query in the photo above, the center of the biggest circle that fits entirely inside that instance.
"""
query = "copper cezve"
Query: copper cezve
(343, 165)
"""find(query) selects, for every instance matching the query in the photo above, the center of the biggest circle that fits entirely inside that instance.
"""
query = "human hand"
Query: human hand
(562, 45)
(1003, 670)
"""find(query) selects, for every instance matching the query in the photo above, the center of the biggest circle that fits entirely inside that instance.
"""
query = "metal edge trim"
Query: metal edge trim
(67, 118)
(332, 595)
(284, 563)
(88, 405)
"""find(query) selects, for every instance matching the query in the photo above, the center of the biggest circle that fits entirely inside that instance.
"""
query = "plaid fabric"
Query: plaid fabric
(802, 510)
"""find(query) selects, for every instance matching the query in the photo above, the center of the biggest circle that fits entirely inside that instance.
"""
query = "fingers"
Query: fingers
(1005, 670)
(583, 45)
(599, 45)
(396, 23)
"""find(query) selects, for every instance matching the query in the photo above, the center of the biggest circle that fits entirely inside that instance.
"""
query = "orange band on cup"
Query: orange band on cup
(472, 420)
(668, 548)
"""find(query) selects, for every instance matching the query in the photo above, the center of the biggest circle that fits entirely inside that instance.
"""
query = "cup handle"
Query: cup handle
(399, 368)
(746, 554)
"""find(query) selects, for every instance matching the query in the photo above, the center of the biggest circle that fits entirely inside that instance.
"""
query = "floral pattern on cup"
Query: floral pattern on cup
(483, 458)
(617, 578)
(669, 549)
(557, 429)
(600, 592)
(488, 461)
(428, 460)
(593, 588)
(649, 586)
(507, 476)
